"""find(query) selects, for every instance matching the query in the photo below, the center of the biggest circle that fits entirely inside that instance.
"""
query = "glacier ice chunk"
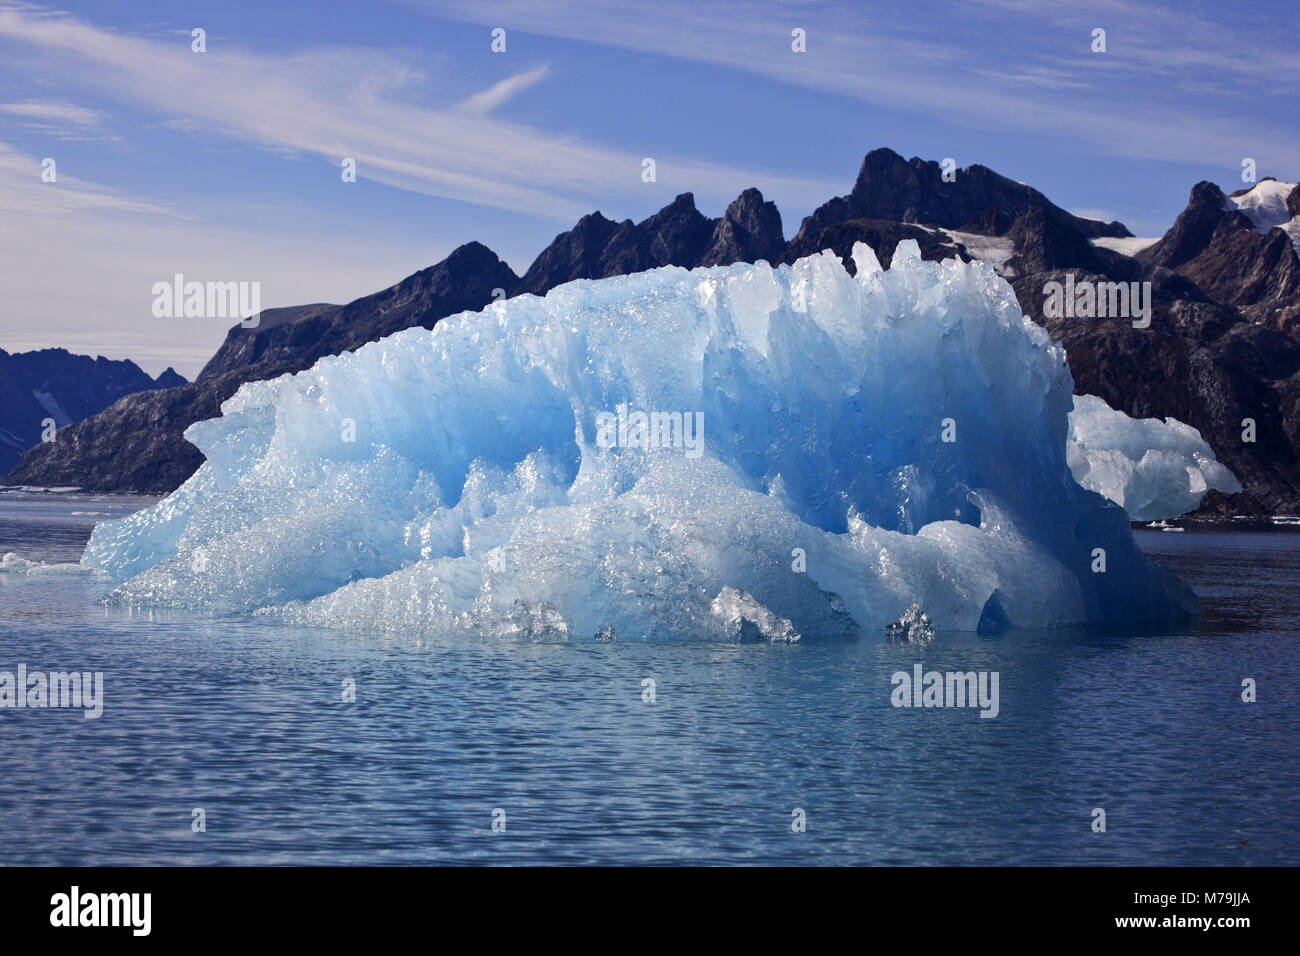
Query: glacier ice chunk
(11, 563)
(871, 441)
(913, 627)
(746, 619)
(1151, 469)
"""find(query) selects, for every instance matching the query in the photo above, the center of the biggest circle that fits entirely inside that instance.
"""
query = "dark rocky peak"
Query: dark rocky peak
(678, 234)
(1222, 252)
(681, 207)
(471, 256)
(169, 378)
(749, 230)
(79, 378)
(1293, 201)
(914, 191)
(56, 384)
(464, 271)
(1256, 271)
(879, 166)
(292, 339)
(1207, 194)
(592, 231)
(586, 239)
(467, 266)
(1191, 231)
(464, 281)
(576, 254)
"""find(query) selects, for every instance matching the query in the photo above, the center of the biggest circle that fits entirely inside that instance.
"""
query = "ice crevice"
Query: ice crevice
(868, 442)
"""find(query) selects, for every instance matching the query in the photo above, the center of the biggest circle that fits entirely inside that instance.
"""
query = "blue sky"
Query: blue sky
(225, 165)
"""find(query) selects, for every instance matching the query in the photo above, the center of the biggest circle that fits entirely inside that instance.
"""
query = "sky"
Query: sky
(225, 165)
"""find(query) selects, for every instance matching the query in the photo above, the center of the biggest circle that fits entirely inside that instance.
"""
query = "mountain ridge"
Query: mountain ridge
(54, 384)
(1207, 361)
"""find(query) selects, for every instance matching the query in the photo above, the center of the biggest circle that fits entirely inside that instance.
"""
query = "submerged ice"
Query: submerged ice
(867, 443)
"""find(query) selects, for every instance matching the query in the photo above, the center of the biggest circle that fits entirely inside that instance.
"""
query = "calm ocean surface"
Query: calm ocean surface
(245, 720)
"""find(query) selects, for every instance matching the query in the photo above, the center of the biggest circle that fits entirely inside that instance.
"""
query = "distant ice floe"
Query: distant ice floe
(870, 442)
(39, 490)
(1151, 469)
(13, 564)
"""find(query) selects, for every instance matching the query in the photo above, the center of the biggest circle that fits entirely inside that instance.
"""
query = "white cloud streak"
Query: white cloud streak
(341, 103)
(55, 113)
(499, 93)
(1055, 87)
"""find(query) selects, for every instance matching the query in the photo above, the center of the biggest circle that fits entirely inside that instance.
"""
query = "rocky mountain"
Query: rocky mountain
(678, 235)
(294, 338)
(36, 387)
(138, 444)
(1240, 249)
(978, 200)
(1222, 347)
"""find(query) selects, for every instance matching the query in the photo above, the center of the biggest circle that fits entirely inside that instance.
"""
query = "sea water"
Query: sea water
(568, 748)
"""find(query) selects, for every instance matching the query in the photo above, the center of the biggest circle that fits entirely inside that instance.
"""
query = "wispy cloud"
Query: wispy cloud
(1244, 45)
(61, 120)
(1056, 88)
(341, 103)
(22, 189)
(59, 113)
(498, 93)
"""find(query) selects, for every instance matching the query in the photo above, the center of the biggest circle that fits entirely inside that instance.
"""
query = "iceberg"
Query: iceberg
(1152, 469)
(725, 453)
(11, 563)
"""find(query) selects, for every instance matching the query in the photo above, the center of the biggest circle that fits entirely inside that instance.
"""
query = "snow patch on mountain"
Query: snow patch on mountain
(51, 404)
(995, 250)
(1265, 206)
(1126, 245)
